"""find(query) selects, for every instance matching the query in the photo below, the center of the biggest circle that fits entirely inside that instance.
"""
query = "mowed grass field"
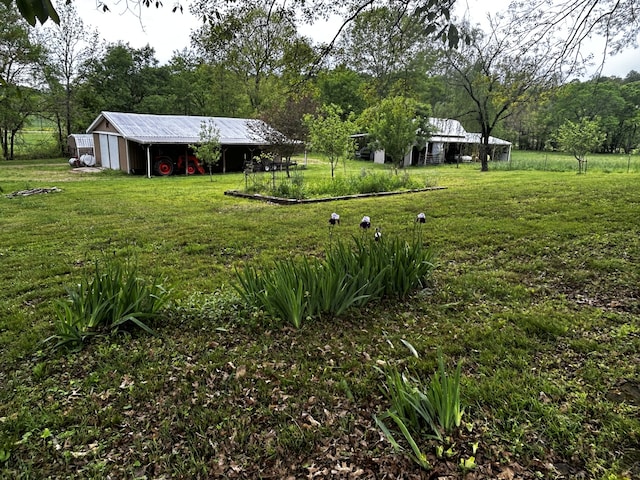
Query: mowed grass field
(536, 293)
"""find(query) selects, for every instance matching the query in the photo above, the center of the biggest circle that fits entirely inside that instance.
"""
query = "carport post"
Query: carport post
(224, 160)
(148, 161)
(186, 161)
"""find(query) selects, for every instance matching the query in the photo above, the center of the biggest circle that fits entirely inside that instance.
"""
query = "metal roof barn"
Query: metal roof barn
(450, 143)
(138, 142)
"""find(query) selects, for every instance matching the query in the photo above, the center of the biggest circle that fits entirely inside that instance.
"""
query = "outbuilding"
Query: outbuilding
(159, 144)
(80, 144)
(450, 143)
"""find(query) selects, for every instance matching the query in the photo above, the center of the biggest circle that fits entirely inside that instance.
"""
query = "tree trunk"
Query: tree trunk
(12, 142)
(61, 143)
(484, 160)
(4, 141)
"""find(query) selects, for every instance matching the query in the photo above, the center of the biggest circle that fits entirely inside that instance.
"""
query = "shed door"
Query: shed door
(109, 152)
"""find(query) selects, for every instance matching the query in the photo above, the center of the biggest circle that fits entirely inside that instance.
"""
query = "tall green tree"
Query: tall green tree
(198, 88)
(630, 125)
(395, 125)
(20, 60)
(253, 44)
(124, 79)
(68, 46)
(344, 87)
(330, 135)
(388, 46)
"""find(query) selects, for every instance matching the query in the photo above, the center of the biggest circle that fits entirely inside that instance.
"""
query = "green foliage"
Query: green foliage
(420, 409)
(330, 134)
(350, 275)
(443, 397)
(208, 150)
(368, 181)
(395, 125)
(111, 299)
(342, 87)
(580, 139)
(31, 10)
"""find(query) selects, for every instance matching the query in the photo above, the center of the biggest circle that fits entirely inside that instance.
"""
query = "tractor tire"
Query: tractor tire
(191, 168)
(163, 166)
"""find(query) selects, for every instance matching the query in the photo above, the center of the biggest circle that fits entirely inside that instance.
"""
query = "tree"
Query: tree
(331, 135)
(20, 57)
(68, 46)
(343, 87)
(499, 75)
(253, 44)
(123, 79)
(208, 149)
(570, 22)
(388, 46)
(630, 137)
(579, 139)
(395, 125)
(283, 128)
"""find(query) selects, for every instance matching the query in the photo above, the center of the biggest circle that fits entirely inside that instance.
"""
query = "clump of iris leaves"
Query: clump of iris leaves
(114, 296)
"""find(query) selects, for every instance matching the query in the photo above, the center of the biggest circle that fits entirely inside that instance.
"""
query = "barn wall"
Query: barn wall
(104, 126)
(96, 149)
(122, 154)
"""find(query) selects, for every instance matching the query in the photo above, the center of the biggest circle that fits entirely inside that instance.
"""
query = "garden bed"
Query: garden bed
(297, 201)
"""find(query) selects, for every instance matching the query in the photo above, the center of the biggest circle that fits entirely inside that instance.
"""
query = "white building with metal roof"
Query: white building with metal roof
(450, 143)
(140, 143)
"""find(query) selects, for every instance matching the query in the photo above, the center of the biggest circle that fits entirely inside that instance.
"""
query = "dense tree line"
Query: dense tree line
(250, 61)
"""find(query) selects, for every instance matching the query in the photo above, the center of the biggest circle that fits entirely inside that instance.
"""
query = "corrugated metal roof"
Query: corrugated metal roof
(477, 138)
(181, 129)
(446, 127)
(83, 140)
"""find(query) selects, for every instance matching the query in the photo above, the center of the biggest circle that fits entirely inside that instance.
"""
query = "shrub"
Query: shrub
(112, 298)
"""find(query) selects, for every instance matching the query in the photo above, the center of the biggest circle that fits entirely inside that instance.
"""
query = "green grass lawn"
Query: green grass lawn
(536, 293)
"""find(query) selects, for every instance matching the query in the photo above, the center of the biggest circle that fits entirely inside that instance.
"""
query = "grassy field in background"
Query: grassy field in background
(564, 162)
(536, 293)
(35, 142)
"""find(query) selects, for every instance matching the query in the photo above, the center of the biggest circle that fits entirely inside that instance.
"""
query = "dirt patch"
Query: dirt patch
(626, 391)
(87, 169)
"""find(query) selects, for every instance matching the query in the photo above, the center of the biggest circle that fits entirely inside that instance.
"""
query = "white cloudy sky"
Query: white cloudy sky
(168, 32)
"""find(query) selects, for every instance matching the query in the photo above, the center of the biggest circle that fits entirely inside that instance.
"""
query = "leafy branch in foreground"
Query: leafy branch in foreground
(110, 299)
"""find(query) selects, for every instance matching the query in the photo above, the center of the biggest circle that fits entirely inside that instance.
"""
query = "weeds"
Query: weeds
(366, 182)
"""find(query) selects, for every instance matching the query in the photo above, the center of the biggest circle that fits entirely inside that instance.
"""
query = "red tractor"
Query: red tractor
(165, 165)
